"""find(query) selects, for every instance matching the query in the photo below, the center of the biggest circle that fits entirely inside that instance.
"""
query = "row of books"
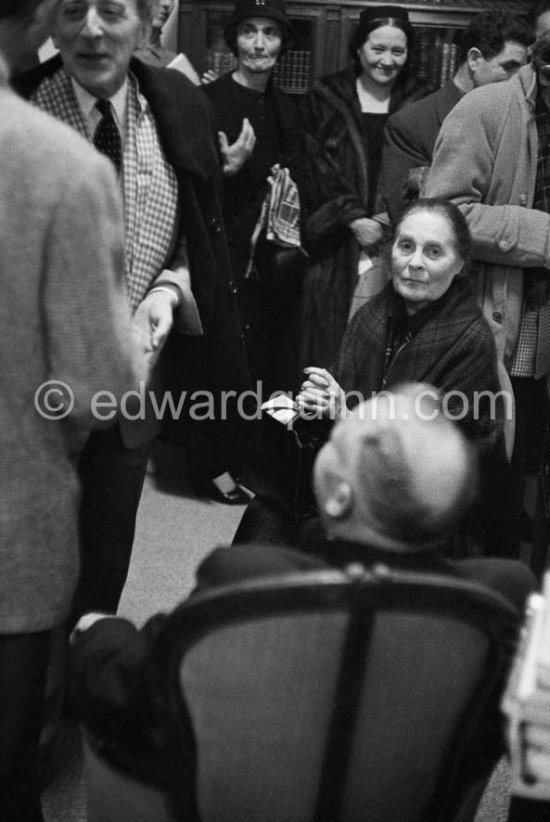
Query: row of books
(438, 54)
(437, 61)
(293, 72)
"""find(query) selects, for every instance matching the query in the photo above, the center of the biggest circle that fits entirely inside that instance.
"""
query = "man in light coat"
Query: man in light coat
(492, 48)
(491, 159)
(65, 335)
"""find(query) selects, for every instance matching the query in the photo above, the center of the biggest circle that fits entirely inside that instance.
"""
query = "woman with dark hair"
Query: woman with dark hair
(343, 119)
(258, 129)
(246, 101)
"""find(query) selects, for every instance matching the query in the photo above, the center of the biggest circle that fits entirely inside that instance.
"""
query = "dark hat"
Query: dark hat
(272, 9)
(368, 20)
(381, 12)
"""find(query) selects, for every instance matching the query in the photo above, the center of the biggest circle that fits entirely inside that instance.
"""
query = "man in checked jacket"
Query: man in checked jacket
(159, 132)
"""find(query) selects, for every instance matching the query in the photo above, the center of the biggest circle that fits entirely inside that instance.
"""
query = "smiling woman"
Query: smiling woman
(343, 118)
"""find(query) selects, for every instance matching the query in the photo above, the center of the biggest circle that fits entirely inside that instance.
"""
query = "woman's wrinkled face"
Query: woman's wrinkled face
(383, 55)
(259, 42)
(424, 259)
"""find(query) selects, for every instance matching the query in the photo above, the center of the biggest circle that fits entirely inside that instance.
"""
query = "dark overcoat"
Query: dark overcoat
(409, 141)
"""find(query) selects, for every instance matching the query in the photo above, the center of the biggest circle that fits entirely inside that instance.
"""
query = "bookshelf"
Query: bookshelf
(322, 33)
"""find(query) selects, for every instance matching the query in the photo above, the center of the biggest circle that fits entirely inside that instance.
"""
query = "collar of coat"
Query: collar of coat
(340, 86)
(527, 79)
(182, 113)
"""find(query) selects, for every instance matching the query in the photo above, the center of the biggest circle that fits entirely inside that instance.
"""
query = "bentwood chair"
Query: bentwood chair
(358, 696)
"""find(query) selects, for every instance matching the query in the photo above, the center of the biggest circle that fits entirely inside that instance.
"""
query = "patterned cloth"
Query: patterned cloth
(148, 181)
(534, 335)
(283, 216)
(453, 350)
(280, 214)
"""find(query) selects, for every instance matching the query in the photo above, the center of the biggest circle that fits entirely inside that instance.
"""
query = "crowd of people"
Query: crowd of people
(214, 250)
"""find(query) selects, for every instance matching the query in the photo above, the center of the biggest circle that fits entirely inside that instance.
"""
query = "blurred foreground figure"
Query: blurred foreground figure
(65, 329)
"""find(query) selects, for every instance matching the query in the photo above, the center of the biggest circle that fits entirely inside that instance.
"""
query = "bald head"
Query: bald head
(396, 473)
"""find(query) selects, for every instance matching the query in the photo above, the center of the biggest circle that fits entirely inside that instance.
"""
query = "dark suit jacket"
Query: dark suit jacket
(113, 677)
(409, 141)
(187, 133)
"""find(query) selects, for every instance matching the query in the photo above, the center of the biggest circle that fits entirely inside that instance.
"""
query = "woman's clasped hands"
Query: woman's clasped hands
(321, 396)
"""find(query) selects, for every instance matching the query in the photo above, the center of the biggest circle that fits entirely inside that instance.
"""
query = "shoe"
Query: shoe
(235, 495)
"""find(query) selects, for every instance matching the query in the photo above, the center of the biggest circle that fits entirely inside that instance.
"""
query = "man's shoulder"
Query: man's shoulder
(165, 83)
(488, 100)
(237, 563)
(47, 162)
(415, 114)
(41, 139)
(26, 84)
(512, 579)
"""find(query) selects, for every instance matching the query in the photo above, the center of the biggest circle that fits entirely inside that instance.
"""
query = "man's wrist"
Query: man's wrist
(168, 288)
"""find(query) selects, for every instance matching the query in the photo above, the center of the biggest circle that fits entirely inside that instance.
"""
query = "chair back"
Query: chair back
(334, 696)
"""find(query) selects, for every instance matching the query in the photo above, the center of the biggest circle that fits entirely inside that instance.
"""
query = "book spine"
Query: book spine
(453, 62)
(424, 42)
(445, 63)
(435, 62)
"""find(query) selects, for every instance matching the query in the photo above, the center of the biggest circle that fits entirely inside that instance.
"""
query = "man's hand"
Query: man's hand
(152, 323)
(321, 396)
(367, 232)
(155, 317)
(235, 155)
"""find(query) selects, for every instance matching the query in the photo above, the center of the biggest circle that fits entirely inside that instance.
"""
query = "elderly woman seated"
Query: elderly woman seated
(424, 326)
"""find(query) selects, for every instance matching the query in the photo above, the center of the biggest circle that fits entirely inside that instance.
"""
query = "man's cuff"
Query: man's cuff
(168, 288)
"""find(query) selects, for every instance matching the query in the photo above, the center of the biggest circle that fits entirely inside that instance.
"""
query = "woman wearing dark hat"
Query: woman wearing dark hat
(258, 128)
(343, 118)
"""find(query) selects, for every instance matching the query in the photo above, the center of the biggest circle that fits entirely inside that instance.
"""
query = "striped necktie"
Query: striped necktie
(107, 136)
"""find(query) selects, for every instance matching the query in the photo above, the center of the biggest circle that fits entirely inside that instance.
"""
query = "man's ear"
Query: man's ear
(338, 501)
(474, 58)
